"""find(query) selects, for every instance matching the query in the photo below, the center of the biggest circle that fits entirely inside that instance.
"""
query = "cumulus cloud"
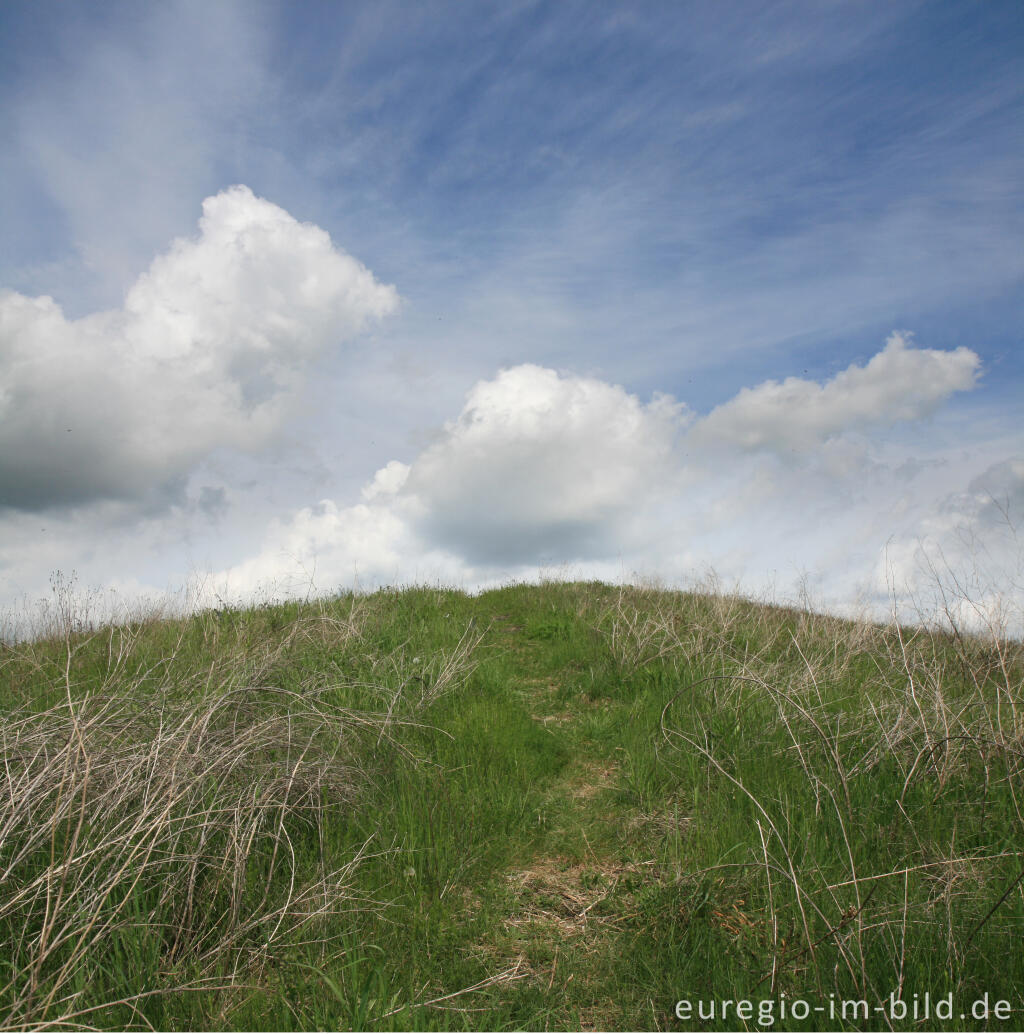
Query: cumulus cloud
(387, 481)
(542, 467)
(899, 383)
(208, 350)
(539, 467)
(323, 546)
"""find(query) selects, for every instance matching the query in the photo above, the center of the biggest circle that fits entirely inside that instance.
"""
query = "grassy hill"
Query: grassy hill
(555, 806)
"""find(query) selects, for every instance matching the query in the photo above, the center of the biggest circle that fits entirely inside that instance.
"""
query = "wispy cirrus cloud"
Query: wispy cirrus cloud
(118, 121)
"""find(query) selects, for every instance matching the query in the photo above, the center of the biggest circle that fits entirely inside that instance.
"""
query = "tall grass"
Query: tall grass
(856, 791)
(167, 800)
(563, 805)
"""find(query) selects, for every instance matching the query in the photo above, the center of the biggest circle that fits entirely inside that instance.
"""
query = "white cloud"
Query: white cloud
(539, 468)
(899, 383)
(965, 559)
(208, 350)
(543, 467)
(322, 547)
(387, 481)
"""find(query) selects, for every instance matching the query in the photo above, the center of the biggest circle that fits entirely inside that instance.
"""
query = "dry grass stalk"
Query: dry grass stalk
(165, 810)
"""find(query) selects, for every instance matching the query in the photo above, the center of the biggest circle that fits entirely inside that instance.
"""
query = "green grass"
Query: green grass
(560, 806)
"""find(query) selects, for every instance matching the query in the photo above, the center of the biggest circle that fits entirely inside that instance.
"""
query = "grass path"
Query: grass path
(569, 908)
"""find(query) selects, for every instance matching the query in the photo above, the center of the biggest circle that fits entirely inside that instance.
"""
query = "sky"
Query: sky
(301, 297)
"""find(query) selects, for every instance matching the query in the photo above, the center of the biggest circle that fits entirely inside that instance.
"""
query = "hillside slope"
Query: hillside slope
(560, 806)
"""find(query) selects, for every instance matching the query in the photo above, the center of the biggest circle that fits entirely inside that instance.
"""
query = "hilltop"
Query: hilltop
(553, 806)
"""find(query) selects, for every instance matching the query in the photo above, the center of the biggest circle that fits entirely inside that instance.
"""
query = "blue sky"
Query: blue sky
(671, 199)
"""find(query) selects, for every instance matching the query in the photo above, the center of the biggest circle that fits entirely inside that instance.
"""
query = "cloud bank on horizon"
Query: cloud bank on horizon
(625, 292)
(540, 468)
(543, 468)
